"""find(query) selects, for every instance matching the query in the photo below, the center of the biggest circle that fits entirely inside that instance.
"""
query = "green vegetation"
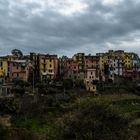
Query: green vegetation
(4, 132)
(61, 113)
(95, 120)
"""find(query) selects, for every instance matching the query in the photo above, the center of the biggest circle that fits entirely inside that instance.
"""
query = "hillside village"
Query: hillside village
(46, 97)
(109, 67)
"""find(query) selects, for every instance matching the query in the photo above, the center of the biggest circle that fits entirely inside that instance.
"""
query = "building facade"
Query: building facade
(19, 69)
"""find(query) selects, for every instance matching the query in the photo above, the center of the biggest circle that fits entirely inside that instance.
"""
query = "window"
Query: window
(0, 64)
(17, 67)
(50, 65)
(91, 73)
(50, 70)
(74, 72)
(17, 74)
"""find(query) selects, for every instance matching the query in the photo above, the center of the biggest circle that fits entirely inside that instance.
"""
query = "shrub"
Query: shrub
(67, 83)
(96, 121)
(4, 132)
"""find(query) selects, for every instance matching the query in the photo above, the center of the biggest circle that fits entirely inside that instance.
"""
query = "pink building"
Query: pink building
(91, 62)
(91, 74)
(19, 69)
(91, 68)
(71, 70)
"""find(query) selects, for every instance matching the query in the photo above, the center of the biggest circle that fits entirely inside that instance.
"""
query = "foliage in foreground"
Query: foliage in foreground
(4, 132)
(94, 121)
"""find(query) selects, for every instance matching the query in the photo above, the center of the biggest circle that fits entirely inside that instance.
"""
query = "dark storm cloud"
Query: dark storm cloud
(100, 27)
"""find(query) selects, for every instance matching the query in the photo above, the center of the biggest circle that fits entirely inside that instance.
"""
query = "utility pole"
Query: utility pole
(33, 81)
(4, 78)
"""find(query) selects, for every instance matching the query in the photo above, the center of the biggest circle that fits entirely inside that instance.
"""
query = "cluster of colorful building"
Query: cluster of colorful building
(100, 67)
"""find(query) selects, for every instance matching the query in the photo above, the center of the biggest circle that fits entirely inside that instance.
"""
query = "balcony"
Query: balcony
(50, 73)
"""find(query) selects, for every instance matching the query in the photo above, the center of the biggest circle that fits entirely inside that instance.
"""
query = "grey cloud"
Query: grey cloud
(52, 32)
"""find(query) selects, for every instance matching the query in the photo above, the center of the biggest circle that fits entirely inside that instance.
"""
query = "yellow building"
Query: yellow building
(127, 60)
(48, 65)
(102, 61)
(3, 66)
(91, 88)
(80, 59)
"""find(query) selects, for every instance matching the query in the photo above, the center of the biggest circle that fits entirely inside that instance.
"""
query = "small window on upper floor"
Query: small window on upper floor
(0, 64)
(8, 63)
(50, 70)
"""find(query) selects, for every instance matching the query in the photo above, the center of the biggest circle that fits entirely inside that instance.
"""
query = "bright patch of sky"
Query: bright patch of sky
(69, 26)
(111, 2)
(63, 7)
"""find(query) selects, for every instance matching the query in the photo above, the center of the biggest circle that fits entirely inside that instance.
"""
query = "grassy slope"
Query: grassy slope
(48, 128)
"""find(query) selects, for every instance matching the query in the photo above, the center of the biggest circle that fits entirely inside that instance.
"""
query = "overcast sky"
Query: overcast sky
(65, 27)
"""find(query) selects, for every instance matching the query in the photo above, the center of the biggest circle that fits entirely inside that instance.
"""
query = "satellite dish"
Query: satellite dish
(17, 53)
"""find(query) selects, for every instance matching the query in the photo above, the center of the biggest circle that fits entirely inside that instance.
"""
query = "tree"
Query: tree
(67, 83)
(4, 132)
(9, 106)
(17, 53)
(19, 87)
